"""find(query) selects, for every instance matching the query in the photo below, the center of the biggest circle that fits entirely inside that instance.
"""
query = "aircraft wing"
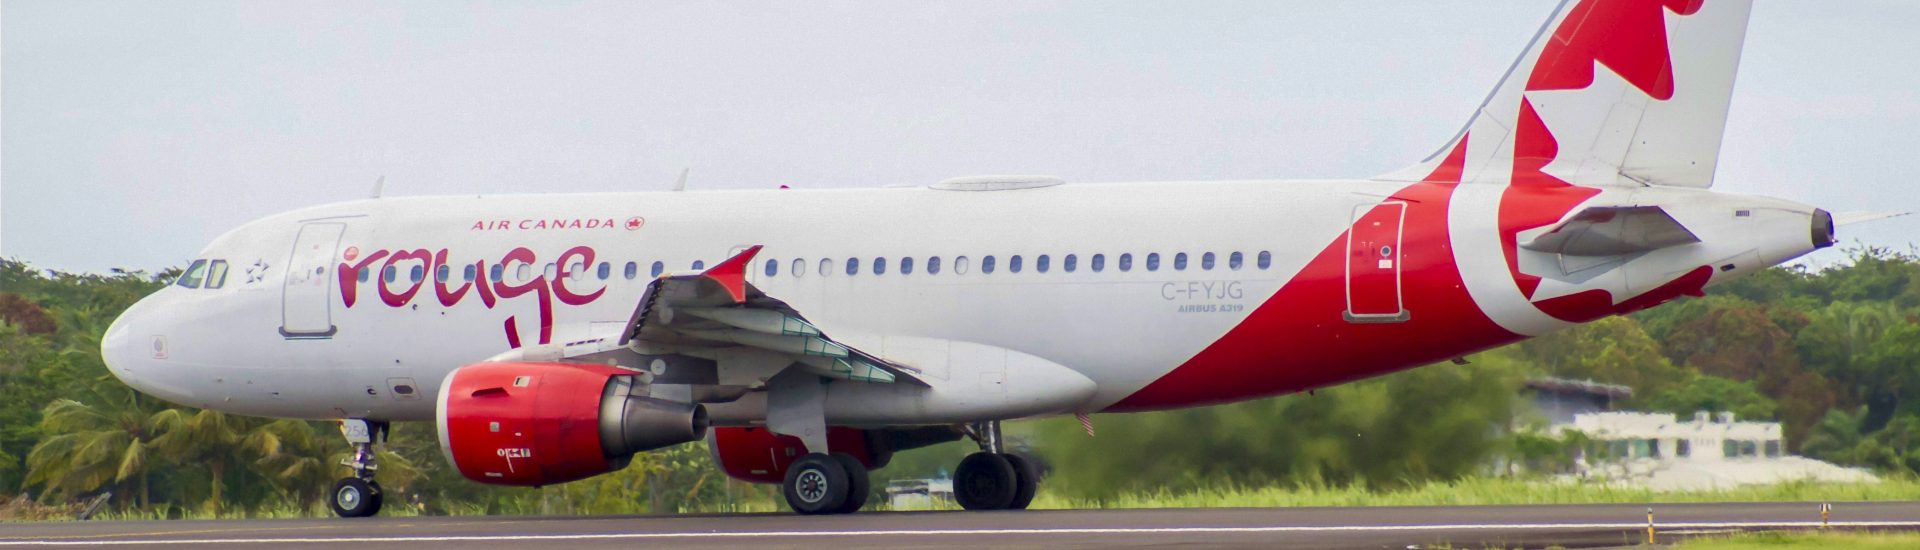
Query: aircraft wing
(1613, 230)
(717, 311)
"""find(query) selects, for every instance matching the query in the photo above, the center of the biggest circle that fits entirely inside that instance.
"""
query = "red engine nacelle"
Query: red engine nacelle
(545, 423)
(758, 455)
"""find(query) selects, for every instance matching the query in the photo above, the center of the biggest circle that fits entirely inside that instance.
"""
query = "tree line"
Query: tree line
(1833, 354)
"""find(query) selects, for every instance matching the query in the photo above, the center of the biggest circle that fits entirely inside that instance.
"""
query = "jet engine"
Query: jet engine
(536, 424)
(757, 455)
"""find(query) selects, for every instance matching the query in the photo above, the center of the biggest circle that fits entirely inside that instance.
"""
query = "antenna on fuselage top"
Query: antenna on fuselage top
(378, 186)
(681, 185)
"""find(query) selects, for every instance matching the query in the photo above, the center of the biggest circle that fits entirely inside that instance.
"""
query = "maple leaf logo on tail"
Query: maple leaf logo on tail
(1611, 95)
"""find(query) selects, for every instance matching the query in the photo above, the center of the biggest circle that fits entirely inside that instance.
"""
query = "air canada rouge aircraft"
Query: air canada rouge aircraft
(809, 334)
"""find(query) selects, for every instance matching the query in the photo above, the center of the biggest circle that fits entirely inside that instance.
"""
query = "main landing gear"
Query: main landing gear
(827, 484)
(994, 479)
(359, 496)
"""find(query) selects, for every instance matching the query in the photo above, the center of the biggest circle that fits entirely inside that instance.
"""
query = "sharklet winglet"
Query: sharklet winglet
(732, 273)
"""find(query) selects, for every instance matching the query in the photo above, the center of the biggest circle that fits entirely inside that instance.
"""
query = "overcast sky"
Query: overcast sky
(132, 133)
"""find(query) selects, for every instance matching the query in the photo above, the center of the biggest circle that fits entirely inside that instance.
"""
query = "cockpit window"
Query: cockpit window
(194, 275)
(216, 274)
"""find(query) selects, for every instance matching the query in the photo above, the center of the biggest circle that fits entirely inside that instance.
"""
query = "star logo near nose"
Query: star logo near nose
(257, 272)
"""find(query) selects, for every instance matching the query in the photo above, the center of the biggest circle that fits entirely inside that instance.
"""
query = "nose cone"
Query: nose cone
(127, 355)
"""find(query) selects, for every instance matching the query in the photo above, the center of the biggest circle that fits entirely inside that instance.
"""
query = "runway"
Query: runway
(1572, 526)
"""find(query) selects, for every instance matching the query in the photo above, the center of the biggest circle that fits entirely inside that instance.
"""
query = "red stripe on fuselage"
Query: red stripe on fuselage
(1298, 340)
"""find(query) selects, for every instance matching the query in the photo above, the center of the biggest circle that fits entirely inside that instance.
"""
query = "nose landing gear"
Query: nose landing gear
(994, 479)
(359, 495)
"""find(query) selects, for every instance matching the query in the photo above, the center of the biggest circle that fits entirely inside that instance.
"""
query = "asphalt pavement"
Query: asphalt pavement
(1571, 526)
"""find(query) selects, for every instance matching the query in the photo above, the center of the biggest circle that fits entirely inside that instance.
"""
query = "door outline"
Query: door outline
(1393, 255)
(291, 325)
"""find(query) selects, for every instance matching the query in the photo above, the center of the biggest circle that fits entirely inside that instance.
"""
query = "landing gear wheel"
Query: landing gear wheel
(859, 484)
(354, 498)
(379, 496)
(1026, 481)
(985, 481)
(816, 484)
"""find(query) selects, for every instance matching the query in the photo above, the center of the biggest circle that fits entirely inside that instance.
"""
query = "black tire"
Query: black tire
(353, 498)
(379, 497)
(1027, 481)
(816, 484)
(984, 481)
(859, 483)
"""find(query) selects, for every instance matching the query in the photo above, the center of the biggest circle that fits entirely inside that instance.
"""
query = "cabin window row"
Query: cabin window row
(1043, 263)
(931, 265)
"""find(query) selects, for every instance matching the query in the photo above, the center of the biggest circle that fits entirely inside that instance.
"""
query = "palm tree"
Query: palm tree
(205, 437)
(93, 446)
(300, 460)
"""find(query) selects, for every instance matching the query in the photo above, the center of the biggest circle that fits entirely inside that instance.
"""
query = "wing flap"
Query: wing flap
(718, 309)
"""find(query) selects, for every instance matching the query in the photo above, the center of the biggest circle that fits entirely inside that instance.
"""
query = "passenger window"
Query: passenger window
(1099, 262)
(986, 265)
(773, 267)
(418, 272)
(577, 271)
(799, 267)
(1013, 264)
(1206, 261)
(960, 265)
(906, 265)
(496, 271)
(633, 270)
(1126, 262)
(880, 265)
(469, 272)
(1153, 261)
(216, 274)
(191, 278)
(551, 271)
(1180, 261)
(606, 270)
(1266, 259)
(441, 273)
(525, 272)
(658, 268)
(365, 273)
(1040, 263)
(826, 267)
(1234, 261)
(933, 265)
(699, 265)
(388, 274)
(853, 266)
(1068, 264)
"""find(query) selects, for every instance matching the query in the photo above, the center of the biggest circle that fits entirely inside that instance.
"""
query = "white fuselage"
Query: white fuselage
(257, 345)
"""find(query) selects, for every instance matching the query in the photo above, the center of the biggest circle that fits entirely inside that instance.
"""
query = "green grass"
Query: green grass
(1778, 540)
(1484, 491)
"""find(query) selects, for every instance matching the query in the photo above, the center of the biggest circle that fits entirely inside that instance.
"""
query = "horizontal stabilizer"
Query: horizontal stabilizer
(1850, 218)
(1613, 231)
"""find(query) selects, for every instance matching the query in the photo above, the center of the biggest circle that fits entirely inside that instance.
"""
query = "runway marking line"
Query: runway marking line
(940, 532)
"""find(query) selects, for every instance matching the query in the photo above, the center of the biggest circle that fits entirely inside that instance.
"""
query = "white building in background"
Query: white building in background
(1710, 451)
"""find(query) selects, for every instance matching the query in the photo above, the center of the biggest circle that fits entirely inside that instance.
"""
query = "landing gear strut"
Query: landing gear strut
(994, 479)
(359, 496)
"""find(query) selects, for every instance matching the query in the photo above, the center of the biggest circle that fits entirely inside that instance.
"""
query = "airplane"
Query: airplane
(807, 335)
